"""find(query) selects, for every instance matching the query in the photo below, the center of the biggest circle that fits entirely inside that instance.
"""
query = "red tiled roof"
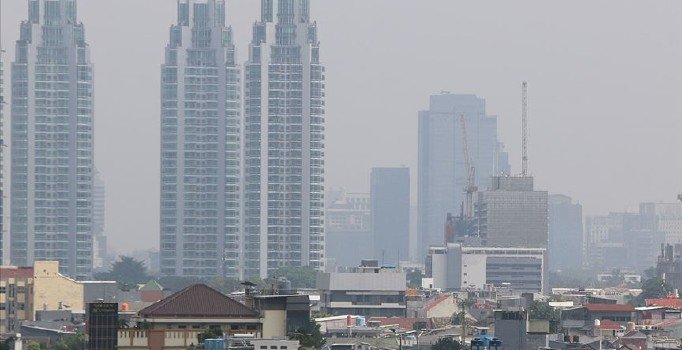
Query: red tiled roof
(436, 302)
(198, 300)
(609, 307)
(674, 303)
(16, 272)
(610, 325)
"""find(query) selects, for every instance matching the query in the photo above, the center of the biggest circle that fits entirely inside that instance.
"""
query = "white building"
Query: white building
(283, 141)
(200, 145)
(458, 267)
(368, 290)
(52, 140)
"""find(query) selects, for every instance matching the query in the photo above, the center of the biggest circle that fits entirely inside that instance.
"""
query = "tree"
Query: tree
(33, 345)
(127, 271)
(71, 342)
(299, 276)
(309, 337)
(652, 288)
(447, 344)
(414, 278)
(542, 311)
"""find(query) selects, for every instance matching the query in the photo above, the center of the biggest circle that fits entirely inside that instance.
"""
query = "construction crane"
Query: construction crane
(524, 127)
(470, 188)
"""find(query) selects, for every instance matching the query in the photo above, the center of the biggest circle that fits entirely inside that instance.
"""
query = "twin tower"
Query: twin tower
(242, 146)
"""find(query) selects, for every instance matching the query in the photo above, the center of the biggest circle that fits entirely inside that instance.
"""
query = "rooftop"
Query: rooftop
(609, 307)
(198, 300)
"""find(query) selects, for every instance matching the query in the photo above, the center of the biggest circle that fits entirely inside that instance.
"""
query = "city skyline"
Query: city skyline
(553, 131)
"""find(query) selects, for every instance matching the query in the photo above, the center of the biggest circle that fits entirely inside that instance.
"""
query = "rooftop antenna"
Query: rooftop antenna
(524, 126)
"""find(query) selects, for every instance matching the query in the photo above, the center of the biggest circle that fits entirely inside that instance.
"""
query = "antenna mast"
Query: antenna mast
(524, 126)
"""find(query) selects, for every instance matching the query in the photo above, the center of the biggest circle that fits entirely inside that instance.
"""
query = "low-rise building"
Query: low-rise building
(26, 290)
(456, 266)
(368, 290)
(178, 320)
(583, 316)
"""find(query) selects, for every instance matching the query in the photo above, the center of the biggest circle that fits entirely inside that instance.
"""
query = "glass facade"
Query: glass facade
(200, 145)
(283, 142)
(442, 171)
(52, 141)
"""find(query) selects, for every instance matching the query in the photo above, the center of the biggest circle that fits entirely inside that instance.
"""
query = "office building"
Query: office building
(623, 241)
(200, 145)
(390, 214)
(2, 142)
(442, 169)
(283, 141)
(99, 237)
(512, 214)
(663, 217)
(456, 266)
(565, 232)
(52, 140)
(102, 326)
(348, 235)
(368, 290)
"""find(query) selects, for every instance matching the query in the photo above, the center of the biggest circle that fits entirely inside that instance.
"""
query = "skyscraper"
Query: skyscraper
(283, 141)
(512, 214)
(390, 214)
(200, 145)
(565, 232)
(2, 141)
(442, 169)
(52, 140)
(99, 238)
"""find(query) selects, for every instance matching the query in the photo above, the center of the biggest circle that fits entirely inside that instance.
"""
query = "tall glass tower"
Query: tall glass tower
(200, 145)
(52, 140)
(283, 141)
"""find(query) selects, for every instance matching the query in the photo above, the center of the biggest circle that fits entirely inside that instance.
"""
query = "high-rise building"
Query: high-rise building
(283, 141)
(200, 145)
(664, 217)
(512, 214)
(565, 232)
(2, 142)
(348, 236)
(99, 238)
(390, 214)
(442, 168)
(52, 140)
(629, 242)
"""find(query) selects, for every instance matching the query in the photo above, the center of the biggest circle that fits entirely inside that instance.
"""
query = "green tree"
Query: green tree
(447, 344)
(309, 337)
(542, 311)
(652, 288)
(414, 279)
(33, 345)
(300, 277)
(71, 342)
(127, 271)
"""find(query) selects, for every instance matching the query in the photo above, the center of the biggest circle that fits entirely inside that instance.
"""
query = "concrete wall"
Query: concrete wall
(274, 323)
(51, 288)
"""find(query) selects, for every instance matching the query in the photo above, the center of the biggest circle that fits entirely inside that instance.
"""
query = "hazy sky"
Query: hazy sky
(605, 84)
